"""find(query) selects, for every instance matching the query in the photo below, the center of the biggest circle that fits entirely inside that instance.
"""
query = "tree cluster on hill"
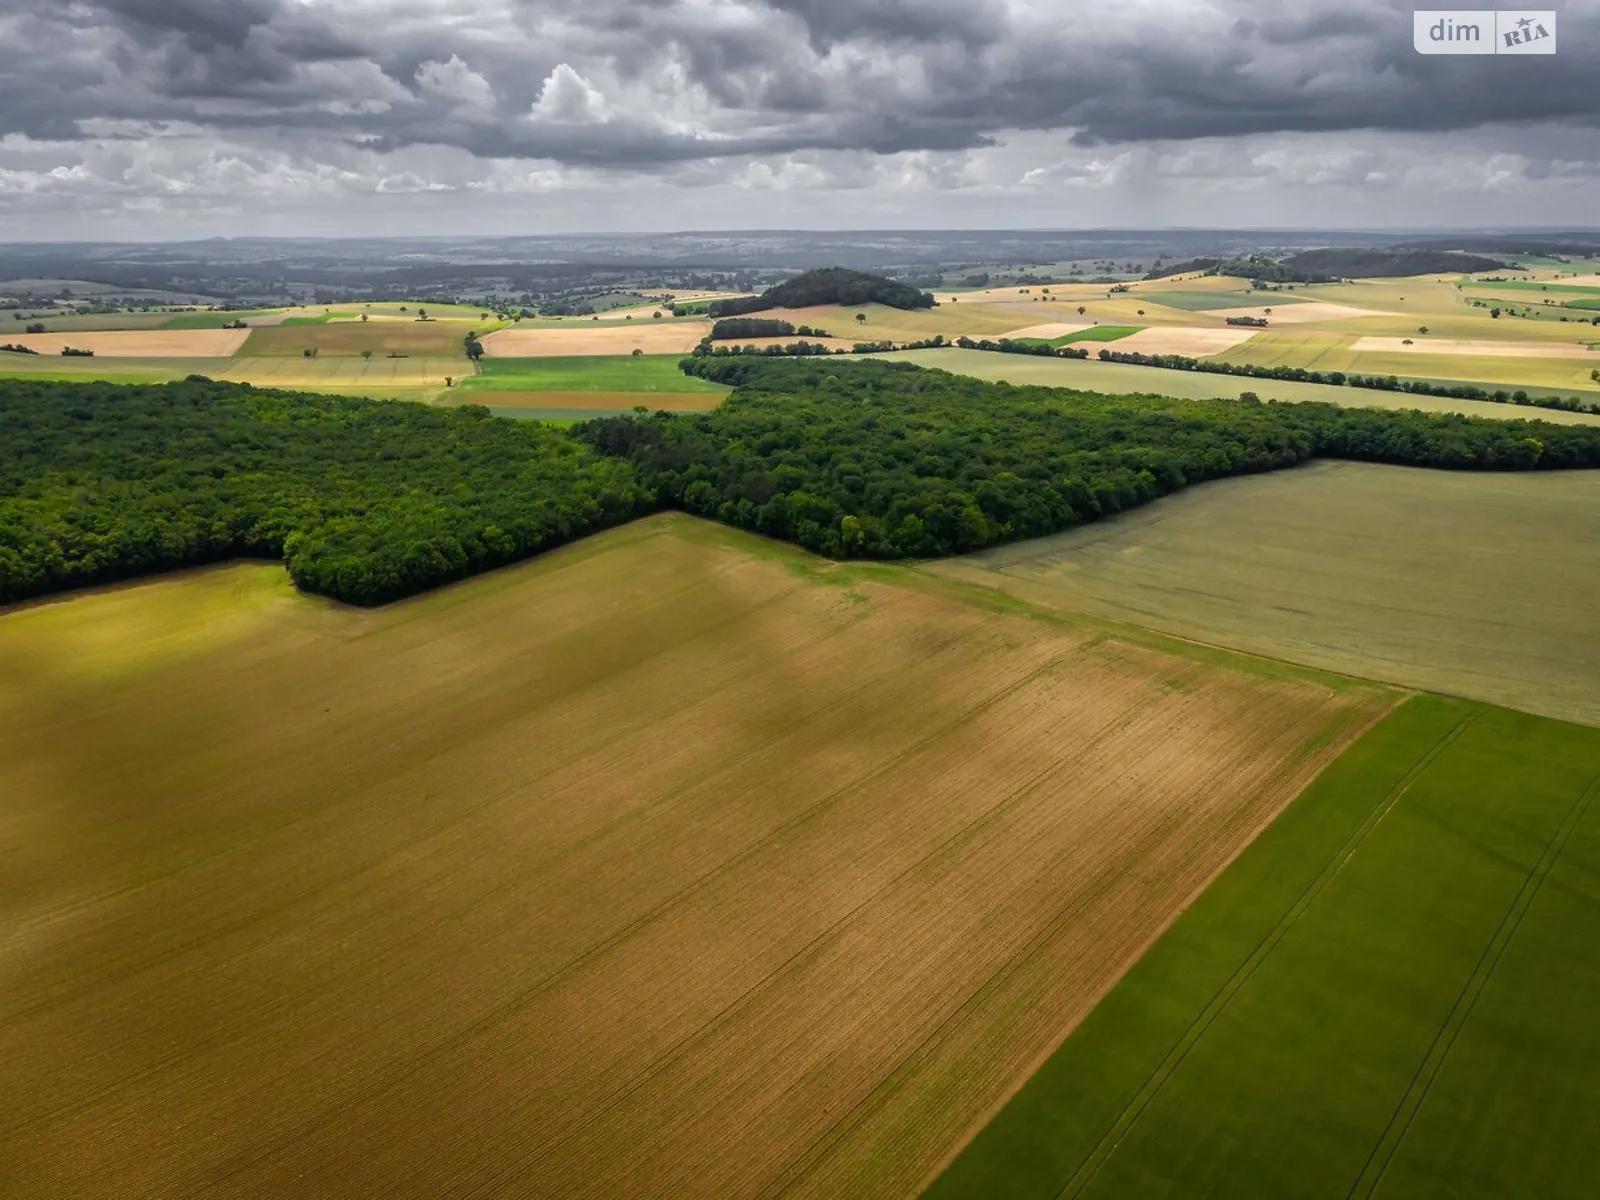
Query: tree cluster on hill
(17, 348)
(366, 501)
(1259, 322)
(886, 460)
(1385, 383)
(734, 328)
(829, 285)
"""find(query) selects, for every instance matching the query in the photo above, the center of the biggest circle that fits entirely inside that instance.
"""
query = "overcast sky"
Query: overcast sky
(192, 118)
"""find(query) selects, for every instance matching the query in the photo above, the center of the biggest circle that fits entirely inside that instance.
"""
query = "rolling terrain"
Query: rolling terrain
(675, 861)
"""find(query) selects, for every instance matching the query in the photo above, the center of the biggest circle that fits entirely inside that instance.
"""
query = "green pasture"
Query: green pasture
(1528, 285)
(600, 373)
(1391, 992)
(214, 320)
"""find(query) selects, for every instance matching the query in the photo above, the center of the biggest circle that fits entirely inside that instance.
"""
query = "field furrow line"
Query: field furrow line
(1444, 1039)
(1152, 1087)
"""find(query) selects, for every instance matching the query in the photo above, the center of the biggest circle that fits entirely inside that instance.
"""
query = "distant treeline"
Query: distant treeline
(886, 460)
(734, 328)
(1382, 383)
(830, 285)
(1334, 264)
(368, 501)
(365, 501)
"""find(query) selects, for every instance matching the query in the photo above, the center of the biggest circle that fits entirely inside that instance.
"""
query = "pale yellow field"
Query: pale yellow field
(833, 343)
(671, 864)
(1472, 349)
(1300, 313)
(140, 343)
(1477, 584)
(677, 337)
(1179, 339)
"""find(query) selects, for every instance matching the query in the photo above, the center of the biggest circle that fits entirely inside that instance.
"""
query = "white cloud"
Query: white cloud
(456, 83)
(567, 98)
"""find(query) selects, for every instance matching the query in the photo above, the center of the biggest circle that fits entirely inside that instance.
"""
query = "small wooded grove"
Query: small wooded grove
(368, 501)
(364, 500)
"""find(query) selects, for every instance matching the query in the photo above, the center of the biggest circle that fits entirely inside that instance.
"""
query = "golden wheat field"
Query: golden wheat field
(672, 863)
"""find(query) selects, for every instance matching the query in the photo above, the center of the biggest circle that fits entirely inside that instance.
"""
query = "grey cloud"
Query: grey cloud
(782, 76)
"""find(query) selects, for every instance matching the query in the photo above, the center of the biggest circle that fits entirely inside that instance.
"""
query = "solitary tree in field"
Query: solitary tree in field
(1422, 329)
(1494, 312)
(449, 381)
(363, 317)
(638, 353)
(656, 315)
(1082, 310)
(861, 318)
(366, 354)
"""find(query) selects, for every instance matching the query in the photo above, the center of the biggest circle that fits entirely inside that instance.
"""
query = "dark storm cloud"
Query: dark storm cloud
(780, 75)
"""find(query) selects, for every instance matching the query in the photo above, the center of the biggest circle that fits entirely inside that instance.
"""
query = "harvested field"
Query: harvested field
(1179, 339)
(1475, 585)
(1049, 330)
(1472, 349)
(334, 372)
(1302, 313)
(140, 343)
(675, 337)
(672, 863)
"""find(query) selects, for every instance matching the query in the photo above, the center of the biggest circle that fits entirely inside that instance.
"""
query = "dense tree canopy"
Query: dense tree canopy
(830, 285)
(883, 460)
(368, 501)
(365, 501)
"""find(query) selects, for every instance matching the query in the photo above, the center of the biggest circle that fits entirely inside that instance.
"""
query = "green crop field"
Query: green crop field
(600, 373)
(1098, 333)
(1527, 285)
(1119, 378)
(1388, 994)
(214, 320)
(1479, 586)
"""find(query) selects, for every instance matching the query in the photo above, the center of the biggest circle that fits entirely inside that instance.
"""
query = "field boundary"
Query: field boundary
(1444, 1039)
(1157, 1080)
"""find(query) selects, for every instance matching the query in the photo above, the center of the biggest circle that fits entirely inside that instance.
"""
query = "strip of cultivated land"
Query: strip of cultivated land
(1388, 994)
(1478, 585)
(672, 863)
(1125, 378)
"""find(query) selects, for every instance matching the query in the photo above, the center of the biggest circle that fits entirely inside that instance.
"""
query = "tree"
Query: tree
(363, 317)
(366, 354)
(1494, 312)
(1082, 310)
(861, 318)
(37, 327)
(638, 353)
(1422, 329)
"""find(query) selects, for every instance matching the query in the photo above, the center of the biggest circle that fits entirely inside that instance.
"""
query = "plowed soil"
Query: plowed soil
(673, 863)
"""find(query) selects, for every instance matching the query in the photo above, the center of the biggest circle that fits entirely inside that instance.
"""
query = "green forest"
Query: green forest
(368, 501)
(857, 458)
(365, 501)
(829, 285)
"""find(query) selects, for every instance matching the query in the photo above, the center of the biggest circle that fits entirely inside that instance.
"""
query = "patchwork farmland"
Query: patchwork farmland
(940, 825)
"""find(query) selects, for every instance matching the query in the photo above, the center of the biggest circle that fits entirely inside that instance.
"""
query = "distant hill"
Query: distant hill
(1332, 265)
(829, 285)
